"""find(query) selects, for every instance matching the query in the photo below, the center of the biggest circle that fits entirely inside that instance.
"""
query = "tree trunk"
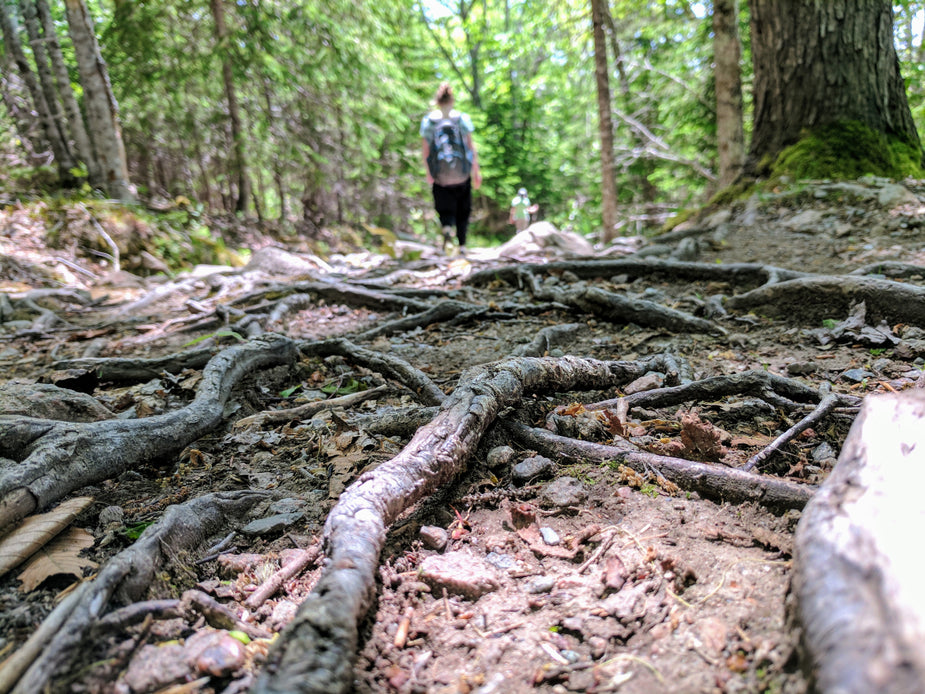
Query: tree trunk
(102, 111)
(818, 63)
(49, 127)
(234, 112)
(14, 100)
(46, 81)
(76, 125)
(608, 183)
(727, 51)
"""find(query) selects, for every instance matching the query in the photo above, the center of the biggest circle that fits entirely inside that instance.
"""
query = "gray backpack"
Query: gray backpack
(450, 160)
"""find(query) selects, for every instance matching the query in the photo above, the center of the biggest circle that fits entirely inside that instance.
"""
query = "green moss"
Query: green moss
(735, 192)
(847, 150)
(678, 218)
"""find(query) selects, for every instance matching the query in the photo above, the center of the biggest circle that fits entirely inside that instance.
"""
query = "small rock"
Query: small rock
(856, 375)
(461, 573)
(499, 456)
(565, 491)
(433, 537)
(287, 506)
(271, 524)
(550, 536)
(570, 655)
(215, 653)
(650, 381)
(500, 561)
(823, 453)
(541, 584)
(282, 614)
(536, 467)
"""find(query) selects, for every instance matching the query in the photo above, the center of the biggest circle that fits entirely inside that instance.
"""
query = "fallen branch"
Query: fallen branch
(710, 481)
(271, 585)
(310, 408)
(825, 406)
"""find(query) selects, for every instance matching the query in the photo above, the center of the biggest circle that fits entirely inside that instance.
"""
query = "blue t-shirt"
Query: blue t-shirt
(431, 119)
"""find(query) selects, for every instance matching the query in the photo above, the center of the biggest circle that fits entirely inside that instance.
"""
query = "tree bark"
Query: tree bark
(856, 580)
(53, 135)
(102, 111)
(727, 52)
(601, 71)
(817, 63)
(46, 80)
(76, 125)
(234, 111)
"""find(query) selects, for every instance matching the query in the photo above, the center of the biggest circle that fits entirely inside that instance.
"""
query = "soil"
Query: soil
(628, 585)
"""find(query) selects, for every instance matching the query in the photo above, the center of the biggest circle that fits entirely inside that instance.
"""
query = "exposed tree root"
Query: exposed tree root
(711, 481)
(57, 458)
(116, 370)
(386, 364)
(444, 311)
(741, 273)
(342, 293)
(814, 298)
(856, 587)
(309, 409)
(125, 577)
(318, 647)
(825, 406)
(617, 308)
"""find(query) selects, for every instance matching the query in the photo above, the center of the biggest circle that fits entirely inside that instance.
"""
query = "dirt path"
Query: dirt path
(529, 571)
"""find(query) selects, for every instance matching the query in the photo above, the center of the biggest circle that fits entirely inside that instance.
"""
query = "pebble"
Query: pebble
(500, 456)
(565, 491)
(541, 584)
(500, 561)
(536, 467)
(461, 573)
(271, 524)
(550, 536)
(433, 537)
(856, 375)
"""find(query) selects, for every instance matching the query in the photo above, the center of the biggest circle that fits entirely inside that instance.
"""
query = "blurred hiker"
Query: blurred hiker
(521, 209)
(452, 165)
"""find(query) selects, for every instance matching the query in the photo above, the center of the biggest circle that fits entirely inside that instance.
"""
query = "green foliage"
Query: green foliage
(351, 385)
(848, 150)
(217, 334)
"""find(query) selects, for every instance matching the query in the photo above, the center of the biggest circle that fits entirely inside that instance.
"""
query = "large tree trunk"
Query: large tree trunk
(76, 125)
(234, 111)
(601, 74)
(818, 63)
(102, 111)
(727, 51)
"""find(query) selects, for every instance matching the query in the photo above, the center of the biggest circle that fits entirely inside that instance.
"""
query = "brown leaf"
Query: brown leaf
(36, 531)
(57, 558)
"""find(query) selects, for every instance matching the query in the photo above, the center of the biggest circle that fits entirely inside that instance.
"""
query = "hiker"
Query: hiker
(521, 209)
(452, 165)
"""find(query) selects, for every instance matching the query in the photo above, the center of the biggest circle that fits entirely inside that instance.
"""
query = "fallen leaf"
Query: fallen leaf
(59, 557)
(36, 531)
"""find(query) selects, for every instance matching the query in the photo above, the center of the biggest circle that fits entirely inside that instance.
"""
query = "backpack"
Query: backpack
(449, 160)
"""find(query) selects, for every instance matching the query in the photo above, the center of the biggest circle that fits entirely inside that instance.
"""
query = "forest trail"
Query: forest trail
(556, 473)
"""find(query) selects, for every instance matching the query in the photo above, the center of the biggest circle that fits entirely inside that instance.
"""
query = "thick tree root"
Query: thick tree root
(318, 648)
(617, 308)
(856, 588)
(61, 457)
(812, 299)
(125, 577)
(740, 273)
(117, 370)
(710, 481)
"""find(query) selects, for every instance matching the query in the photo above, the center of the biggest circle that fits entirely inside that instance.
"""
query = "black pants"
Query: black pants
(453, 205)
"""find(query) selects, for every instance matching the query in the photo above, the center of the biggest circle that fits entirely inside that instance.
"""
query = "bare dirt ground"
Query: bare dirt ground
(566, 577)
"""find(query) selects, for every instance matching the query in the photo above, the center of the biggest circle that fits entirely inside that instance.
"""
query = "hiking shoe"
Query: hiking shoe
(447, 233)
(462, 251)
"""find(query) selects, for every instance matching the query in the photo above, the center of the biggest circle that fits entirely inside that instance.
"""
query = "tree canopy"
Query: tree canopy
(319, 103)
